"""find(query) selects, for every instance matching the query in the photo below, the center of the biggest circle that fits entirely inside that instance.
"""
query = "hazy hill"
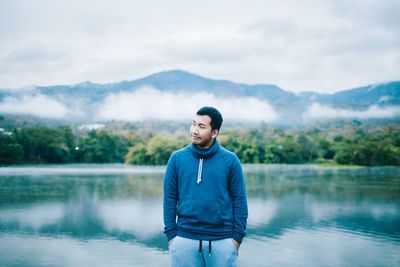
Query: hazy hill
(172, 81)
(86, 98)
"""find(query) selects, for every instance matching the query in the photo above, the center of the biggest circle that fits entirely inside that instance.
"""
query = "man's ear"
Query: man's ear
(215, 133)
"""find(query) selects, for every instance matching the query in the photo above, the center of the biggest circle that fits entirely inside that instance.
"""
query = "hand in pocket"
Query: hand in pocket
(171, 241)
(235, 244)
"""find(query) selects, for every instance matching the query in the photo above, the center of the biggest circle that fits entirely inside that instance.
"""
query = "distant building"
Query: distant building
(4, 132)
(89, 127)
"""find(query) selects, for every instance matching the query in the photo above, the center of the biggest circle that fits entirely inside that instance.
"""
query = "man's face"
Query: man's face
(200, 132)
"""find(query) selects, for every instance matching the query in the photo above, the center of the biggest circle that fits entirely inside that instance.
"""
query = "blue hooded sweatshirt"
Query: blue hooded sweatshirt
(204, 194)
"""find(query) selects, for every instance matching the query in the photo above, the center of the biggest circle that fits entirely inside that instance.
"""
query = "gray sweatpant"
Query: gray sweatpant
(195, 253)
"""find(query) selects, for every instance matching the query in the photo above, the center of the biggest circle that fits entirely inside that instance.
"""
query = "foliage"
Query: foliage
(10, 150)
(345, 144)
(102, 147)
(61, 145)
(45, 145)
(156, 151)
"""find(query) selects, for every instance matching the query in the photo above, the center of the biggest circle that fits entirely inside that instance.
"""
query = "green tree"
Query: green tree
(248, 145)
(137, 155)
(10, 151)
(292, 151)
(43, 145)
(156, 151)
(103, 147)
(343, 154)
(274, 153)
(326, 149)
(308, 147)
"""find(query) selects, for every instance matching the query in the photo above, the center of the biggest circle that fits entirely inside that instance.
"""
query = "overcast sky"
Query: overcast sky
(311, 45)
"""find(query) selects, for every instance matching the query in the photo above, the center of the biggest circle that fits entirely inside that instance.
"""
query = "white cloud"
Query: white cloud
(316, 45)
(36, 105)
(149, 103)
(318, 111)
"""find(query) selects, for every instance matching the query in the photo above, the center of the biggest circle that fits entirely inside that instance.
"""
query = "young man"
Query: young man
(205, 205)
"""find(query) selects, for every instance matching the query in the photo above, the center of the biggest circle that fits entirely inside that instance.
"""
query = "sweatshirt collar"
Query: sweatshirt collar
(204, 153)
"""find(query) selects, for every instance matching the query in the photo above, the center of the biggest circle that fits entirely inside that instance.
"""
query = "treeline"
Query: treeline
(350, 144)
(61, 145)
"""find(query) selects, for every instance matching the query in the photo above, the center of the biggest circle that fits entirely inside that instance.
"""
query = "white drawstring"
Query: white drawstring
(199, 172)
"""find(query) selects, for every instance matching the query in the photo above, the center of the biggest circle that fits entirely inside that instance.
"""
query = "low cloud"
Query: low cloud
(37, 105)
(151, 104)
(318, 111)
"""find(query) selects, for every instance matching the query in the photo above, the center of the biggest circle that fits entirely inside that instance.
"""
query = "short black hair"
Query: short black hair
(214, 114)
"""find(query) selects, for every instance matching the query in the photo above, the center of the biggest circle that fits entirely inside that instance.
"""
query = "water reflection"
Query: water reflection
(33, 250)
(298, 215)
(318, 247)
(122, 216)
(33, 217)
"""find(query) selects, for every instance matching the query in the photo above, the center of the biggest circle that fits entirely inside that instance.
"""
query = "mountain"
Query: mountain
(379, 94)
(172, 81)
(86, 98)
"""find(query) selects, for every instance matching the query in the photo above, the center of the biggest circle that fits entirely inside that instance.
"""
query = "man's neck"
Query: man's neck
(207, 146)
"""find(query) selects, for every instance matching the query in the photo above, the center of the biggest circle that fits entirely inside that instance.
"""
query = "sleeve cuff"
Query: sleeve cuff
(238, 237)
(171, 234)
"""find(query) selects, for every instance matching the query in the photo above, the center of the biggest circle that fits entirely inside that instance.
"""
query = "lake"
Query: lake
(111, 215)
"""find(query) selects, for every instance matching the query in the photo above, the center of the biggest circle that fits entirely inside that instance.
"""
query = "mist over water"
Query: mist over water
(105, 215)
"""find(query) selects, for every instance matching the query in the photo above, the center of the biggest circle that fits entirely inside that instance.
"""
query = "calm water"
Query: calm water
(111, 215)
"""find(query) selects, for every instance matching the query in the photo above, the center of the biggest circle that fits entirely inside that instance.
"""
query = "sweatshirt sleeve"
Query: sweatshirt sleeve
(170, 198)
(238, 193)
